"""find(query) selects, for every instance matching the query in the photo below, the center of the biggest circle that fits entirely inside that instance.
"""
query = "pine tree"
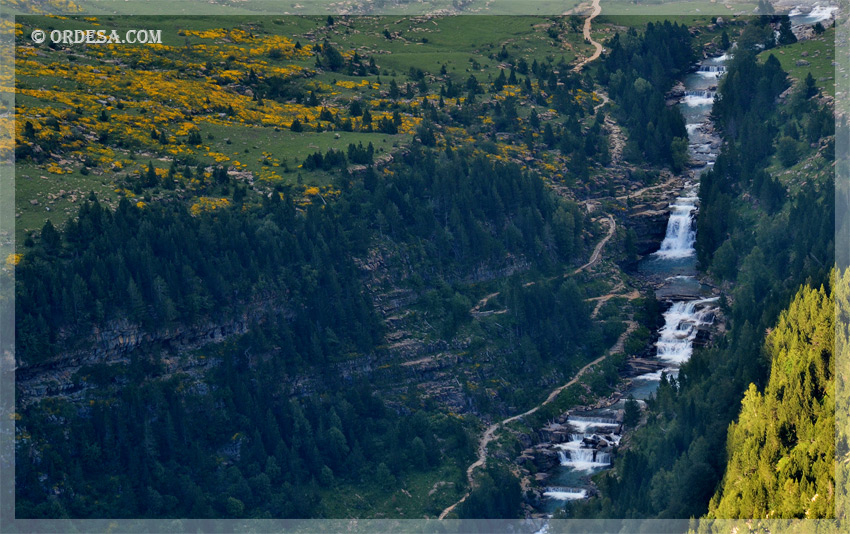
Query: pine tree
(786, 36)
(151, 179)
(631, 417)
(50, 237)
(782, 448)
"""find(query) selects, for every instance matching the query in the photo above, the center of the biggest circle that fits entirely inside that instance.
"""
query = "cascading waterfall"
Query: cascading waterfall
(681, 235)
(699, 98)
(573, 454)
(565, 494)
(684, 318)
(705, 93)
(593, 438)
(582, 424)
(681, 325)
(818, 13)
(583, 451)
(599, 420)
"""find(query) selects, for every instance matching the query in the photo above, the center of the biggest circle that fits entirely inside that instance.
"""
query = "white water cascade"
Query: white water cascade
(573, 454)
(698, 98)
(712, 68)
(594, 437)
(565, 494)
(679, 239)
(681, 325)
(582, 452)
(817, 13)
(702, 93)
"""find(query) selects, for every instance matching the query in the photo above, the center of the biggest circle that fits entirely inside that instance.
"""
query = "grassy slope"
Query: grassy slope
(420, 43)
(819, 52)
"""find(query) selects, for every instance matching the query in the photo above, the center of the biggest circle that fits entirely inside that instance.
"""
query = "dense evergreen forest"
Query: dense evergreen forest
(234, 435)
(236, 446)
(159, 265)
(781, 451)
(766, 242)
(639, 70)
(260, 451)
(272, 423)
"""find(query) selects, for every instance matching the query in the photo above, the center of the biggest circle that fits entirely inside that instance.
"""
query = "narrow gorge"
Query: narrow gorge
(584, 441)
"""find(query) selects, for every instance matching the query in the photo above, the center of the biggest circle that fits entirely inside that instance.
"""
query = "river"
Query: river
(690, 305)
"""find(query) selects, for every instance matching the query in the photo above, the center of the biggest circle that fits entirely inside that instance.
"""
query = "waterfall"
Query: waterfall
(563, 458)
(582, 424)
(679, 239)
(583, 455)
(593, 437)
(565, 494)
(580, 457)
(818, 13)
(711, 71)
(602, 420)
(681, 325)
(698, 98)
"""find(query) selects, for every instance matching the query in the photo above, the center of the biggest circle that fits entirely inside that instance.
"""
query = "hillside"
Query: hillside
(288, 229)
(782, 447)
(347, 267)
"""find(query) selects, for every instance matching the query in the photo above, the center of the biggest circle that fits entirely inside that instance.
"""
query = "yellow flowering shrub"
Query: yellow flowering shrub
(208, 204)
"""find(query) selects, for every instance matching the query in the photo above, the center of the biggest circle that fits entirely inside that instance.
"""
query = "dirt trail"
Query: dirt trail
(594, 258)
(586, 31)
(491, 430)
(475, 311)
(639, 192)
(635, 294)
(612, 226)
(490, 433)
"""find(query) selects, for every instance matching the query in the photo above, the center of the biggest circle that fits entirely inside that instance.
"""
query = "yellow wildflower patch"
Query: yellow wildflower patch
(14, 259)
(56, 169)
(208, 204)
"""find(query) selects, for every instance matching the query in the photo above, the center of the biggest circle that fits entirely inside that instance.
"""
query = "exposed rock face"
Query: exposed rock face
(650, 225)
(544, 458)
(555, 433)
(113, 342)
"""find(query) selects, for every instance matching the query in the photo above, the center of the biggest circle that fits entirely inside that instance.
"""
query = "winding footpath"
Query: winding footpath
(475, 311)
(490, 433)
(594, 258)
(597, 9)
